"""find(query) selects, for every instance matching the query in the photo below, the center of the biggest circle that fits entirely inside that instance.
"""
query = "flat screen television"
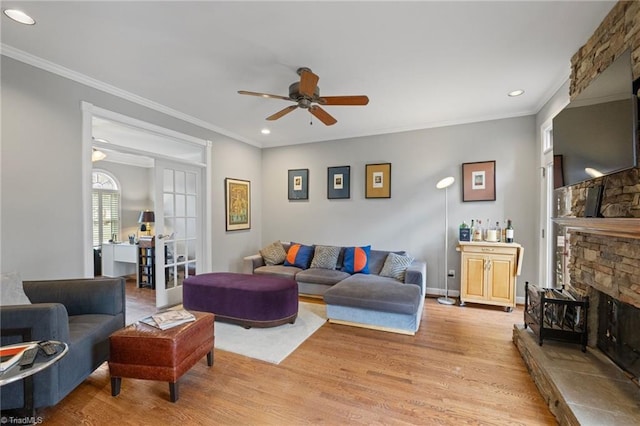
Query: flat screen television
(595, 135)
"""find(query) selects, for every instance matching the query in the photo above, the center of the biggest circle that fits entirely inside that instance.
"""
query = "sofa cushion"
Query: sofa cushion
(395, 266)
(356, 260)
(377, 259)
(321, 276)
(274, 253)
(299, 256)
(278, 270)
(12, 291)
(375, 293)
(325, 257)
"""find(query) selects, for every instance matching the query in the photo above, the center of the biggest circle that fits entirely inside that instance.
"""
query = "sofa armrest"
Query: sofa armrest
(250, 263)
(416, 274)
(41, 321)
(81, 296)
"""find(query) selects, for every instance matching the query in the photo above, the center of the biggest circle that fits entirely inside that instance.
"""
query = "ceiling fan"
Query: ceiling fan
(306, 94)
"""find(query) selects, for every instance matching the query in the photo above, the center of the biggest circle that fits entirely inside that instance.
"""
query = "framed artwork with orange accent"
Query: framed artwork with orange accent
(377, 180)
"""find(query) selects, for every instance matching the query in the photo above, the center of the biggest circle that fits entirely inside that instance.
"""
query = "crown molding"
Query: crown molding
(36, 61)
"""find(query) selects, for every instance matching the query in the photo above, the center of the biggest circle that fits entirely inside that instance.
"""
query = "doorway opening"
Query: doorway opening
(139, 153)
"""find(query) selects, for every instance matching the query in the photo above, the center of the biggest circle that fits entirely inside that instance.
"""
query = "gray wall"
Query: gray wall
(413, 218)
(40, 173)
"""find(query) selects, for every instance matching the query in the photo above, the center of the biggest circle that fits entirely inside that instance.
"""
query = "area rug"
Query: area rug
(271, 344)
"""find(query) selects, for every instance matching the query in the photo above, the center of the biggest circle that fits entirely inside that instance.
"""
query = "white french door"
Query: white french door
(179, 242)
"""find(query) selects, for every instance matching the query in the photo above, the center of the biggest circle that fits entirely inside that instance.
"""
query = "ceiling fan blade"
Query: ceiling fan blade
(308, 82)
(282, 112)
(322, 115)
(264, 95)
(344, 100)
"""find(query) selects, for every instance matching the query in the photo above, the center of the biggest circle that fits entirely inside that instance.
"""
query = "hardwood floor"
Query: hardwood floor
(461, 368)
(141, 302)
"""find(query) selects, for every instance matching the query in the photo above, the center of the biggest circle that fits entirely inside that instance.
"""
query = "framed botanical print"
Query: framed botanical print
(299, 184)
(237, 204)
(338, 182)
(479, 181)
(378, 180)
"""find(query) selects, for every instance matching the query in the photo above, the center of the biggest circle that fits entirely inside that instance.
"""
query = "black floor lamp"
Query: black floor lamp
(444, 184)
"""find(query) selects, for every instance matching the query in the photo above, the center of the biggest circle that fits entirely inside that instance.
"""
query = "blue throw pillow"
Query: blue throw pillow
(356, 260)
(299, 255)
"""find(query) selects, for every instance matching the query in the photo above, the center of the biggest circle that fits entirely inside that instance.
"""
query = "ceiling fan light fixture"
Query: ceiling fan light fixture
(19, 16)
(305, 93)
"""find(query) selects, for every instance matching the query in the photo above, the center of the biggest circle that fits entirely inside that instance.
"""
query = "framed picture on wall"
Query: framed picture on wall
(237, 204)
(479, 181)
(378, 180)
(299, 184)
(338, 182)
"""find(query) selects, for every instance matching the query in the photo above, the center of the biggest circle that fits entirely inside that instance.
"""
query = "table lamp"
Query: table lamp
(146, 218)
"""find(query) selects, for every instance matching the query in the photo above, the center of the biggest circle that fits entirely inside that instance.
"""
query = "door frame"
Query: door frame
(88, 112)
(546, 244)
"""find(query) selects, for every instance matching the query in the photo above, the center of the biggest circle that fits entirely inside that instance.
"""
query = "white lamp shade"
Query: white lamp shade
(445, 183)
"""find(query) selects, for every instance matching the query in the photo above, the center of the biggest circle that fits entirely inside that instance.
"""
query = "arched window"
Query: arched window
(105, 206)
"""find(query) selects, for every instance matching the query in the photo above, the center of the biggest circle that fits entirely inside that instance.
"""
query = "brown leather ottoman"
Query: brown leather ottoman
(141, 351)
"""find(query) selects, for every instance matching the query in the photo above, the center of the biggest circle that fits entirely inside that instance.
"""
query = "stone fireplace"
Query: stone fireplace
(602, 255)
(600, 259)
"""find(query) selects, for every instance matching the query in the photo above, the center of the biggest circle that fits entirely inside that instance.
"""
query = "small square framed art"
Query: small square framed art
(479, 181)
(378, 180)
(338, 182)
(298, 184)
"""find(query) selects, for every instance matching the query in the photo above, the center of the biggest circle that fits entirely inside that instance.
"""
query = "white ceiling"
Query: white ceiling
(422, 64)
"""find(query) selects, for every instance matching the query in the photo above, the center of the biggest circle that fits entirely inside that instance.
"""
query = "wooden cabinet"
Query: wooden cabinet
(488, 273)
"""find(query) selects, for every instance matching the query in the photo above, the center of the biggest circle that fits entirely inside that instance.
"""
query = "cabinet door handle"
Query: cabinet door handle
(487, 264)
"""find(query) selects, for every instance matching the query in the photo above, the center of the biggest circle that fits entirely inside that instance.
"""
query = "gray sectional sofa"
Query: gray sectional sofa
(360, 299)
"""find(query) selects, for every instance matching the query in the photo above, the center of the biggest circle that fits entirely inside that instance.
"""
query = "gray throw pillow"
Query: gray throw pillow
(11, 290)
(395, 266)
(325, 257)
(273, 254)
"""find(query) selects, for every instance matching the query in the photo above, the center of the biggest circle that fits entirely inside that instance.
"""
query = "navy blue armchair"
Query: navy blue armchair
(82, 313)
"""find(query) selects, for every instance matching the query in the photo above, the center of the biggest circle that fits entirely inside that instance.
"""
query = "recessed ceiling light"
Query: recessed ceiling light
(265, 131)
(516, 93)
(19, 16)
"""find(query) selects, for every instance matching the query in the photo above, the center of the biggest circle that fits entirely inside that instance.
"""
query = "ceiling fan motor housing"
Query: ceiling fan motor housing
(303, 101)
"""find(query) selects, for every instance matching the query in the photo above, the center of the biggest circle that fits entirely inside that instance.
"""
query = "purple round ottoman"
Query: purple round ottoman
(248, 300)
